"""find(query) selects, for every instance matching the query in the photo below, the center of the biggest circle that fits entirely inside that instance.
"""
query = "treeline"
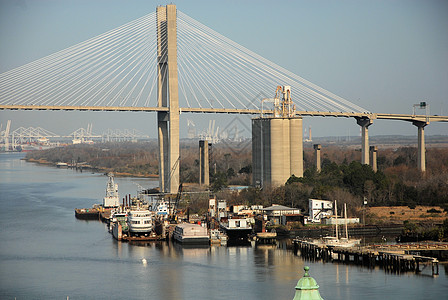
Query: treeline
(343, 178)
(228, 161)
(397, 182)
(139, 159)
(230, 164)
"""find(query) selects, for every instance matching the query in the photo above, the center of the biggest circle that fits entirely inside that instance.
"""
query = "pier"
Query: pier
(266, 238)
(398, 258)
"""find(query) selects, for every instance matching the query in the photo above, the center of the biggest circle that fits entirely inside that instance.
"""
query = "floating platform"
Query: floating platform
(265, 238)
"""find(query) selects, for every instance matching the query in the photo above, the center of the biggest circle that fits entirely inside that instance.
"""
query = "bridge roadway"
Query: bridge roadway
(367, 115)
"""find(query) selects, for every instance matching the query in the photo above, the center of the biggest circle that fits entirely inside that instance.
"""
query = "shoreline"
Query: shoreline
(92, 169)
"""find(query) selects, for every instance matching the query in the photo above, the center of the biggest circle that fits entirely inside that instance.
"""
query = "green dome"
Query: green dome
(307, 282)
(307, 288)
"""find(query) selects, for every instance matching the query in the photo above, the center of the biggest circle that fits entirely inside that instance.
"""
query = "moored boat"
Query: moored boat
(120, 218)
(112, 198)
(195, 234)
(236, 229)
(87, 213)
(140, 222)
(162, 209)
(336, 241)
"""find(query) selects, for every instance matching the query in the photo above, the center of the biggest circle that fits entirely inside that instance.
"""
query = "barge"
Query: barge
(191, 234)
(87, 213)
(236, 229)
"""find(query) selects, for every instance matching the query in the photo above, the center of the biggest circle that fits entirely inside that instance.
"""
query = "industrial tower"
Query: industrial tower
(277, 142)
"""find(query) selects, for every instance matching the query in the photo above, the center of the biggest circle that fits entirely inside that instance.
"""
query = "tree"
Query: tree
(292, 179)
(356, 175)
(230, 173)
(218, 181)
(246, 169)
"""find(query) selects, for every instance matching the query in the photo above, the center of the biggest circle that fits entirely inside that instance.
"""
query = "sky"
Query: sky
(384, 56)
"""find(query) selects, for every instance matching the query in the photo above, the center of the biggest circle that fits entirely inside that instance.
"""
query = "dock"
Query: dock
(265, 238)
(397, 258)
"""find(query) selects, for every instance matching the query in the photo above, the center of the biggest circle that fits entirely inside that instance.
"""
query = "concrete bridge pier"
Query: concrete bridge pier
(364, 123)
(373, 156)
(421, 158)
(204, 166)
(317, 148)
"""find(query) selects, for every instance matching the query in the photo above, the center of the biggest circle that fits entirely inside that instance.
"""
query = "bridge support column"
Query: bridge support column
(421, 158)
(373, 156)
(204, 166)
(317, 148)
(364, 123)
(168, 122)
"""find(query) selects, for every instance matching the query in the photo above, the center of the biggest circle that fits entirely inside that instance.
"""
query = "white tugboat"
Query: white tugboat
(162, 209)
(112, 198)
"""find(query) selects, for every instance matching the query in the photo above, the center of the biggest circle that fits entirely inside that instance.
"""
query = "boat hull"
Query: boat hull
(146, 229)
(87, 214)
(191, 240)
(237, 235)
(117, 231)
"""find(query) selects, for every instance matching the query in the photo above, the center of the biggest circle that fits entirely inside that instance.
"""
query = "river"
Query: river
(45, 253)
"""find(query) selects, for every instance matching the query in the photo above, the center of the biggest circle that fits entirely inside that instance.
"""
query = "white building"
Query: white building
(278, 214)
(340, 221)
(319, 209)
(212, 207)
(222, 209)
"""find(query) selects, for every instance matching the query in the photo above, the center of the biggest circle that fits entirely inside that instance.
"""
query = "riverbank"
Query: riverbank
(82, 167)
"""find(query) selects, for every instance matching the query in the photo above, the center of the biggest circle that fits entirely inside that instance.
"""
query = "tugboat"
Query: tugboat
(112, 200)
(118, 224)
(120, 217)
(162, 209)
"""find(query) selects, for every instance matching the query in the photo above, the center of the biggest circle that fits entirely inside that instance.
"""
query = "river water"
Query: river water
(45, 253)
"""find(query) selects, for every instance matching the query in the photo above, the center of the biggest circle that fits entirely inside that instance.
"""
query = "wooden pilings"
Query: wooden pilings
(389, 261)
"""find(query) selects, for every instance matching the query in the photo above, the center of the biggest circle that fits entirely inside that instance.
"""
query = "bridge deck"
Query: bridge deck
(372, 116)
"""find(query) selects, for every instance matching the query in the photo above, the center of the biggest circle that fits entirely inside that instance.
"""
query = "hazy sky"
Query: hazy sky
(382, 55)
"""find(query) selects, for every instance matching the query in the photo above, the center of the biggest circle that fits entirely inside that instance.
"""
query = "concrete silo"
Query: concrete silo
(277, 144)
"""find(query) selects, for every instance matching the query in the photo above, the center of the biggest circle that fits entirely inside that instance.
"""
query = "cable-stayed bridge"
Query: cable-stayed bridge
(167, 62)
(118, 69)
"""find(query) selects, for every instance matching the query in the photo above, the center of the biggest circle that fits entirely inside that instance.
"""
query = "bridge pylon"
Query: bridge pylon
(168, 96)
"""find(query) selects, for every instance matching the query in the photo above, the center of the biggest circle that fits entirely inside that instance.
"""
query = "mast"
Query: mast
(336, 213)
(345, 214)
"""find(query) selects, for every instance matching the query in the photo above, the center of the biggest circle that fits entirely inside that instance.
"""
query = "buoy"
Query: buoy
(144, 261)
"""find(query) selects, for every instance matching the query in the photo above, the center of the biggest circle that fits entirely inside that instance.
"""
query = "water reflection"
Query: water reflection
(47, 254)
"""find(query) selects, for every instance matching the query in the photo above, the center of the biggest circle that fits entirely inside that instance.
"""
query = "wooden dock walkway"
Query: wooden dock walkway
(397, 258)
